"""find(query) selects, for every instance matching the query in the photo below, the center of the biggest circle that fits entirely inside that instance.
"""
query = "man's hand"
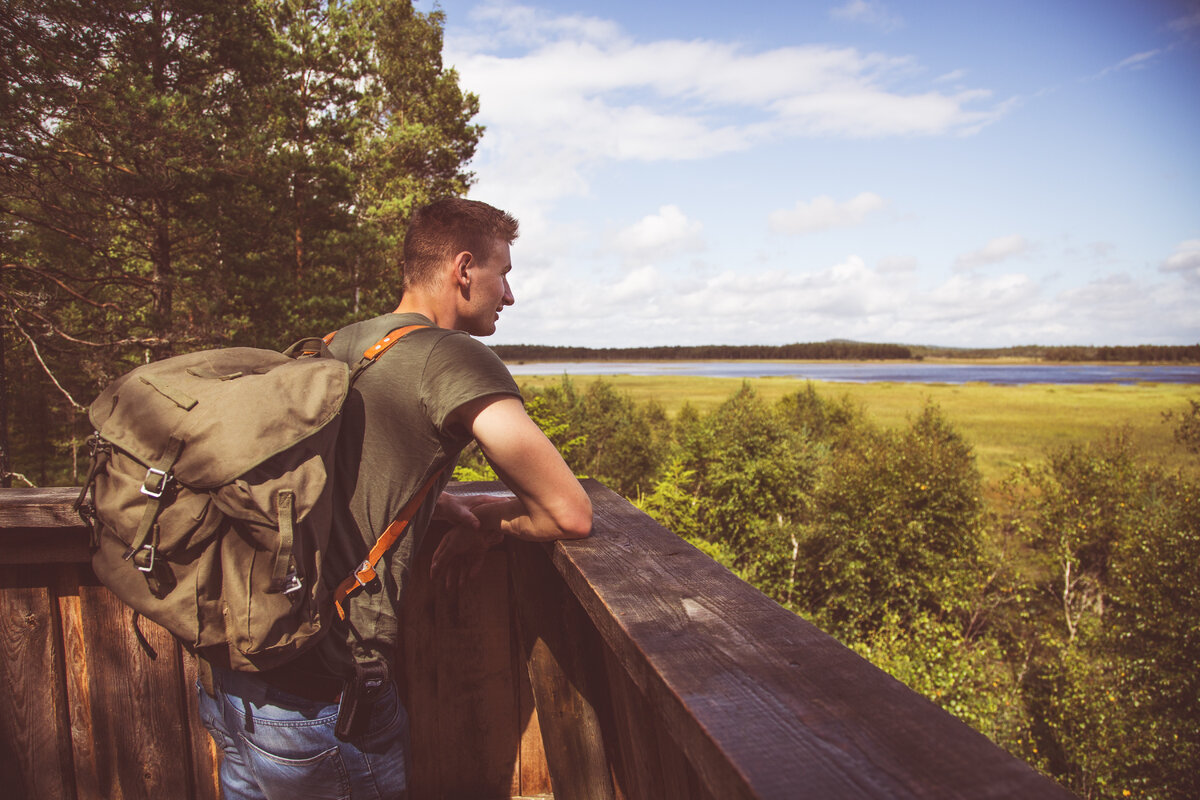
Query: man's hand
(459, 555)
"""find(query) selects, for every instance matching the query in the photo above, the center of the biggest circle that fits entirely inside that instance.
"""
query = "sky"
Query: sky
(934, 172)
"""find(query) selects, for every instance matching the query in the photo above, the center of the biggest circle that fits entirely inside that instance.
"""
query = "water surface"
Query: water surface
(877, 372)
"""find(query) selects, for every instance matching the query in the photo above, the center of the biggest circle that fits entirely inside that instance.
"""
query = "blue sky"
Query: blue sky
(949, 173)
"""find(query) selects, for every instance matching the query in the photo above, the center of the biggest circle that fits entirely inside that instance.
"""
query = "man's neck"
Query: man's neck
(440, 314)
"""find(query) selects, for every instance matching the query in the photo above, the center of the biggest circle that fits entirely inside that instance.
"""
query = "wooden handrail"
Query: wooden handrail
(654, 671)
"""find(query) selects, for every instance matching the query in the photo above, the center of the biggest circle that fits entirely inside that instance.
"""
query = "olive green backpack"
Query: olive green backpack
(211, 495)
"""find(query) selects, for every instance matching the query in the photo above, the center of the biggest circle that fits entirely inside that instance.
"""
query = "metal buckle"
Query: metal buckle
(149, 567)
(293, 583)
(365, 565)
(164, 479)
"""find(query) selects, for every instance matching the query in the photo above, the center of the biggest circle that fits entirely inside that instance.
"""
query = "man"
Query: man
(330, 724)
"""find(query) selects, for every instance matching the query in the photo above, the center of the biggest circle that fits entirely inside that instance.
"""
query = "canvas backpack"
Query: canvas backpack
(211, 496)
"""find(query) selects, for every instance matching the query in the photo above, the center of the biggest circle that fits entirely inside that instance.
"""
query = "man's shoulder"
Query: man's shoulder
(349, 343)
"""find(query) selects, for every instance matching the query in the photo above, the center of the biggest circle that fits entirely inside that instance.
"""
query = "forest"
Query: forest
(1137, 354)
(811, 351)
(1058, 612)
(183, 174)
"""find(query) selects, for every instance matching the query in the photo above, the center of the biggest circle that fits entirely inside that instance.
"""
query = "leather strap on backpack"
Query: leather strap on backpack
(365, 572)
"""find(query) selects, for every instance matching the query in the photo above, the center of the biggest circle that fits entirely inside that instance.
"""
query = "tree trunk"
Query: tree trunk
(160, 256)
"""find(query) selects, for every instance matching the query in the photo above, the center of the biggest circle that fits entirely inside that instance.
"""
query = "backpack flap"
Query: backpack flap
(232, 409)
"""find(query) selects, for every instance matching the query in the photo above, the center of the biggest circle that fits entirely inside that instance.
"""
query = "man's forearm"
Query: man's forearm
(512, 518)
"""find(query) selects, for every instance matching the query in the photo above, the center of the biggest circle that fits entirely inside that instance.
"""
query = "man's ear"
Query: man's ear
(463, 262)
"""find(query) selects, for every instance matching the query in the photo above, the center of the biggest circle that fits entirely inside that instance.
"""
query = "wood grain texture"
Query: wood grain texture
(764, 704)
(203, 751)
(39, 508)
(137, 729)
(461, 691)
(39, 526)
(532, 773)
(35, 740)
(655, 671)
(565, 666)
(651, 766)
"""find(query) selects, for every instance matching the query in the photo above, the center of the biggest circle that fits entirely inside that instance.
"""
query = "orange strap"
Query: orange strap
(379, 348)
(383, 345)
(365, 572)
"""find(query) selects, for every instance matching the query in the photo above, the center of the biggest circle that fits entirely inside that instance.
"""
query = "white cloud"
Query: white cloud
(1000, 249)
(636, 287)
(823, 212)
(897, 264)
(563, 95)
(1185, 260)
(951, 77)
(1135, 61)
(849, 299)
(870, 12)
(660, 235)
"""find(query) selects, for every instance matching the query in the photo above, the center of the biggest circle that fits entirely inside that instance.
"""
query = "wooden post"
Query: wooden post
(566, 669)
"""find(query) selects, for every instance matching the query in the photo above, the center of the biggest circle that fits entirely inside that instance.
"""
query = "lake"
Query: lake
(877, 372)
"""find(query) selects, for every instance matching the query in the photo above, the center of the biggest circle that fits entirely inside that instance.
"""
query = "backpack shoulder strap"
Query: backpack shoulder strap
(375, 351)
(365, 572)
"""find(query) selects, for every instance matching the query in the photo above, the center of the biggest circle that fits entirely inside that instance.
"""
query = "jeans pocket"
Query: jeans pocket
(319, 777)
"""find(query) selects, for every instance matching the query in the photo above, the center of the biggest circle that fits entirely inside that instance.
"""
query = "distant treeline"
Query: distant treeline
(1142, 353)
(814, 351)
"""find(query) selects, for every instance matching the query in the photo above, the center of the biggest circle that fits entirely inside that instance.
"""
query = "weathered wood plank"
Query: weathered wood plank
(35, 740)
(462, 692)
(78, 698)
(137, 728)
(566, 673)
(764, 704)
(652, 766)
(39, 508)
(203, 750)
(39, 526)
(532, 776)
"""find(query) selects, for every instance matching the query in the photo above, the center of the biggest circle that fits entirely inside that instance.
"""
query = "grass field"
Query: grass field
(1007, 425)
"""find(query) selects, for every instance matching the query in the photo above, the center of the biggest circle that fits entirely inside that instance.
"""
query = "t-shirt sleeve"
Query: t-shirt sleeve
(461, 369)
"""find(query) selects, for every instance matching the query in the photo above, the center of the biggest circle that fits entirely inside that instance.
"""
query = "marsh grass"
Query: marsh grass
(1007, 425)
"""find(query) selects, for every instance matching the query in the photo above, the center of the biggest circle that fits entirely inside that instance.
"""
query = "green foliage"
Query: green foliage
(896, 527)
(1115, 623)
(970, 678)
(611, 438)
(746, 468)
(1063, 622)
(1187, 429)
(182, 174)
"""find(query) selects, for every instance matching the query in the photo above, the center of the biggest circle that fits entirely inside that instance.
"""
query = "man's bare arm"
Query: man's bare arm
(550, 502)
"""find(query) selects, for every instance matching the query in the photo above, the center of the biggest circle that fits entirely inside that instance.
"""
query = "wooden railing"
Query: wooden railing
(625, 665)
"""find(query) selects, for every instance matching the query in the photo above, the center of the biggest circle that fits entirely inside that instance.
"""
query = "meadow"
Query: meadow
(1007, 425)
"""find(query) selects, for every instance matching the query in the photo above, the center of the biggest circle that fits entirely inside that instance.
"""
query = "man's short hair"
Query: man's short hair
(443, 229)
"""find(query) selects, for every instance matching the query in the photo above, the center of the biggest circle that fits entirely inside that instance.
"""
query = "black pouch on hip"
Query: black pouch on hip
(354, 711)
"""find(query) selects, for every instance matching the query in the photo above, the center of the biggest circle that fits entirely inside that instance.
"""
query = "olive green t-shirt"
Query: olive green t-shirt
(395, 435)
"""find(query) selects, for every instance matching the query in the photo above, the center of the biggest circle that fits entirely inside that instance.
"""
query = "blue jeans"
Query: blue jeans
(278, 746)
